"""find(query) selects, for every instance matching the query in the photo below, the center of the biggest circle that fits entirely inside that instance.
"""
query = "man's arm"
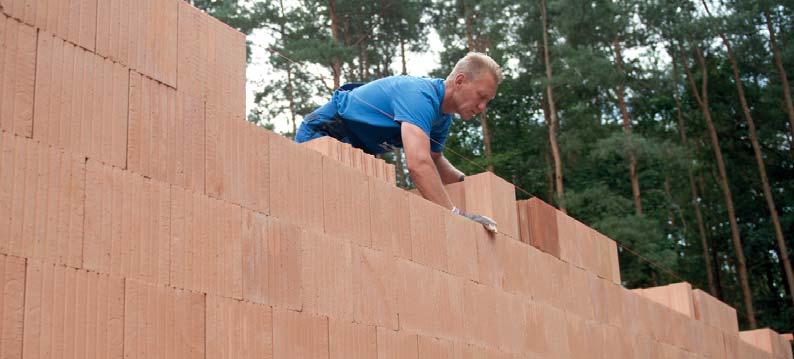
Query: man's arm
(421, 165)
(448, 172)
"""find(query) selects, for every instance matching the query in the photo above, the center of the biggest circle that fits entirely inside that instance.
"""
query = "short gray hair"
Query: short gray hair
(473, 64)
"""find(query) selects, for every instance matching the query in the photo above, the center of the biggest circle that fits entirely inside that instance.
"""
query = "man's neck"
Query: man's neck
(446, 104)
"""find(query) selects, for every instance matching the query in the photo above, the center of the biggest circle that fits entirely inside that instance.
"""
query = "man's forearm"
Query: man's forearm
(427, 180)
(447, 172)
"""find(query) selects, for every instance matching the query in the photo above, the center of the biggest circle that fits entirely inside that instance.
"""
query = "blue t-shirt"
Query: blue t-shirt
(372, 112)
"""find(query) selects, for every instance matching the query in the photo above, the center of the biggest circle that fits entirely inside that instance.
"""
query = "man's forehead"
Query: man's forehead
(487, 83)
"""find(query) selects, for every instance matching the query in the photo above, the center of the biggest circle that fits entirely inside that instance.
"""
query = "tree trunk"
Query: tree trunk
(783, 80)
(290, 95)
(471, 44)
(402, 55)
(692, 187)
(549, 165)
(759, 159)
(702, 100)
(555, 150)
(486, 139)
(336, 65)
(635, 182)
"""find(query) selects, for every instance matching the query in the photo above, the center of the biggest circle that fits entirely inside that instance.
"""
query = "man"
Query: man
(412, 113)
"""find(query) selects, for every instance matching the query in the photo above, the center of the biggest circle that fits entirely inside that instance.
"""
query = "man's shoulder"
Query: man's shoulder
(406, 81)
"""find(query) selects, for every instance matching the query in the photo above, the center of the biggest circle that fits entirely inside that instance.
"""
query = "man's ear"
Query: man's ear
(460, 78)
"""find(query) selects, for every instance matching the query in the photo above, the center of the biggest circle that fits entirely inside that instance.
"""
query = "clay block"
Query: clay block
(489, 195)
(141, 35)
(72, 312)
(577, 293)
(493, 318)
(18, 72)
(81, 101)
(396, 344)
(580, 247)
(605, 261)
(598, 296)
(12, 305)
(428, 232)
(74, 20)
(141, 248)
(211, 65)
(351, 340)
(374, 288)
(271, 261)
(457, 193)
(152, 128)
(193, 51)
(767, 340)
(580, 337)
(390, 219)
(462, 241)
(713, 312)
(356, 160)
(42, 192)
(163, 322)
(538, 225)
(327, 146)
(299, 335)
(296, 184)
(188, 147)
(432, 348)
(548, 286)
(327, 279)
(346, 154)
(546, 331)
(676, 296)
(206, 244)
(238, 329)
(391, 174)
(506, 264)
(713, 342)
(346, 206)
(238, 164)
(428, 302)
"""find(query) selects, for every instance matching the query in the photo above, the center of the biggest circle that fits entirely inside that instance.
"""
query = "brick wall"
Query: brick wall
(142, 217)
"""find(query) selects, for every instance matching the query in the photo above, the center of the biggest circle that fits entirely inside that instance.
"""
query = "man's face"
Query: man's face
(473, 95)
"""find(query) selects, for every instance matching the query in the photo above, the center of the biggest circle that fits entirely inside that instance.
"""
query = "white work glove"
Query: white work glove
(488, 223)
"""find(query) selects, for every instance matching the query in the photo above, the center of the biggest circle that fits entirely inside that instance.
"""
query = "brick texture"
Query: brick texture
(12, 305)
(141, 34)
(428, 232)
(72, 313)
(17, 75)
(162, 322)
(73, 20)
(127, 225)
(238, 329)
(206, 244)
(81, 101)
(296, 184)
(489, 195)
(299, 335)
(272, 261)
(42, 193)
(346, 203)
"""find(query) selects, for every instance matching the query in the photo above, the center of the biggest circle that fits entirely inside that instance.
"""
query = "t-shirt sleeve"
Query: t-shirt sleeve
(415, 107)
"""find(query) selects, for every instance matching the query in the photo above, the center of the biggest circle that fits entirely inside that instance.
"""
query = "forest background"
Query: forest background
(682, 151)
